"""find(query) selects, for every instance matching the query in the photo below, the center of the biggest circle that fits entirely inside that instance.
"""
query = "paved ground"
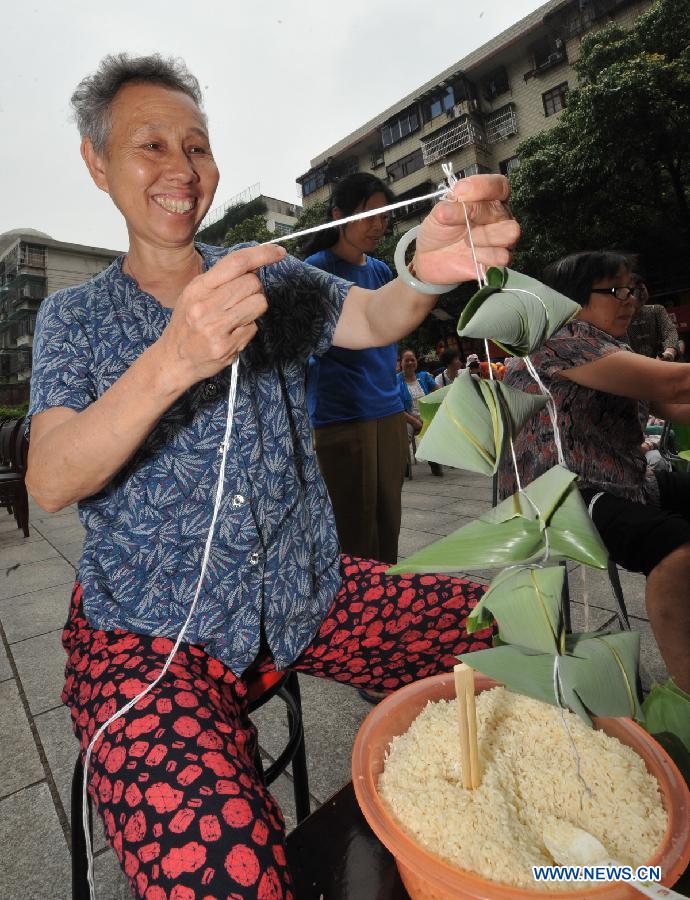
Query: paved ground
(38, 750)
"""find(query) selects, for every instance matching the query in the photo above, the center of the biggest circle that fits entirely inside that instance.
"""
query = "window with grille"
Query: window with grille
(556, 99)
(460, 133)
(501, 124)
(32, 255)
(406, 165)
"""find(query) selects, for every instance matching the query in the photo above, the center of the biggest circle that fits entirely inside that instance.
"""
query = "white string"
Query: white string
(232, 394)
(558, 692)
(551, 408)
(335, 223)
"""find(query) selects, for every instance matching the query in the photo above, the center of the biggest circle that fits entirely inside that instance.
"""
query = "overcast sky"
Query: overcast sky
(282, 80)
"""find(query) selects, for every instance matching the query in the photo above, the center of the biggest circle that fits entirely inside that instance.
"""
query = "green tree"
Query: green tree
(252, 229)
(614, 172)
(215, 234)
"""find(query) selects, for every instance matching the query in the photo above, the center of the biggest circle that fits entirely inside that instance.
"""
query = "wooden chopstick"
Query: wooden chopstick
(467, 718)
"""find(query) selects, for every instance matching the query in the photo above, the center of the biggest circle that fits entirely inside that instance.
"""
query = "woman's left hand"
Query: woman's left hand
(444, 254)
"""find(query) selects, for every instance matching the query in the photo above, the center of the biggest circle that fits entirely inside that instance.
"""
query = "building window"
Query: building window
(442, 103)
(313, 182)
(506, 166)
(283, 228)
(406, 166)
(400, 128)
(495, 84)
(32, 255)
(556, 99)
(501, 124)
(549, 51)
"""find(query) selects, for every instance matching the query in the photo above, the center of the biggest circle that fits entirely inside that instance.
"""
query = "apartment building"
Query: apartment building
(475, 113)
(280, 215)
(32, 266)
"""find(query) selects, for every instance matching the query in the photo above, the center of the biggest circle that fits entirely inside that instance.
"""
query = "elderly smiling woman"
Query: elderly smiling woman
(128, 413)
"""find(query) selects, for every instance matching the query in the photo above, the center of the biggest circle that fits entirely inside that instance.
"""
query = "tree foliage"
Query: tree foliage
(614, 172)
(216, 233)
(252, 229)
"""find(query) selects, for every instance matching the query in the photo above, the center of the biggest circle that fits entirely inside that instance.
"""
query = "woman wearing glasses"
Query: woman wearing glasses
(597, 384)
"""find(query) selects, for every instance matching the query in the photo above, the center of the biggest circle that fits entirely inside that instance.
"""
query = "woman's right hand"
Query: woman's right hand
(215, 316)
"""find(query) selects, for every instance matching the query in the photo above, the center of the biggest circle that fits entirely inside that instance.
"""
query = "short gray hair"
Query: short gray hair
(94, 95)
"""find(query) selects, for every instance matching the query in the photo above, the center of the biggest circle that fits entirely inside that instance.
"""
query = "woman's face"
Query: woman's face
(409, 363)
(608, 312)
(157, 166)
(365, 234)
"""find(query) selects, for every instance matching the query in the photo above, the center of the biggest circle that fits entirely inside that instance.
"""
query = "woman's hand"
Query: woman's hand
(443, 252)
(215, 317)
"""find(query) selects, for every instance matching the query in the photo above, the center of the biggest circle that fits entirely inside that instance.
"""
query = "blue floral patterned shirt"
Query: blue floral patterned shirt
(275, 555)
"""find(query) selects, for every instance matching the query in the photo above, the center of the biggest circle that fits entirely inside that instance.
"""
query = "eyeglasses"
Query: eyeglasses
(621, 293)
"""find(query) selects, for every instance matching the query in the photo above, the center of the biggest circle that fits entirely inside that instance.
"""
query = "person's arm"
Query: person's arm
(638, 377)
(73, 455)
(443, 256)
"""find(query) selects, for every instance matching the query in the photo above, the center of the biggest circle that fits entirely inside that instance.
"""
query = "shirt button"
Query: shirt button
(253, 559)
(210, 390)
(237, 501)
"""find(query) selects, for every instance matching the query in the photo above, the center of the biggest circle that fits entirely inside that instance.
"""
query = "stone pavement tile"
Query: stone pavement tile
(72, 552)
(109, 880)
(468, 508)
(601, 593)
(33, 842)
(20, 764)
(30, 577)
(5, 668)
(419, 500)
(36, 613)
(28, 552)
(283, 792)
(41, 665)
(652, 667)
(62, 534)
(11, 536)
(431, 521)
(332, 716)
(60, 746)
(410, 541)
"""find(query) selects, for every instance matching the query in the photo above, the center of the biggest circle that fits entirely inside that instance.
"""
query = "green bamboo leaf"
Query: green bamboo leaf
(523, 671)
(428, 407)
(548, 515)
(603, 670)
(597, 673)
(519, 316)
(462, 433)
(526, 603)
(667, 711)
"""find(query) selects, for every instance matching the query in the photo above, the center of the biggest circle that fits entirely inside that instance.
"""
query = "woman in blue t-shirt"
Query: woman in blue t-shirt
(353, 396)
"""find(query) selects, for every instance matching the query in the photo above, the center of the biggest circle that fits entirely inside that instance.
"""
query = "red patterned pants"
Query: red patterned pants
(174, 779)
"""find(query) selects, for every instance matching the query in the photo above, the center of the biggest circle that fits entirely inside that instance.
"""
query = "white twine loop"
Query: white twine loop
(232, 394)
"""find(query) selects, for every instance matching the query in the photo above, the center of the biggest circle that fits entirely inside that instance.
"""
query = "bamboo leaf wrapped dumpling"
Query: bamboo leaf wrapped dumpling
(548, 515)
(470, 421)
(516, 312)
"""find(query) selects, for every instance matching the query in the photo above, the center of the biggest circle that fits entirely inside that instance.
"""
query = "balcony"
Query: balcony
(501, 124)
(463, 132)
(545, 61)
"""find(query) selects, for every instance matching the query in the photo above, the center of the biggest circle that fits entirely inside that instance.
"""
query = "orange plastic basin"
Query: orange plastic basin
(426, 877)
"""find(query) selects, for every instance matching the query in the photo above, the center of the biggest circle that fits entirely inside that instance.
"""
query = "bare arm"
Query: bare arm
(443, 256)
(74, 455)
(639, 377)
